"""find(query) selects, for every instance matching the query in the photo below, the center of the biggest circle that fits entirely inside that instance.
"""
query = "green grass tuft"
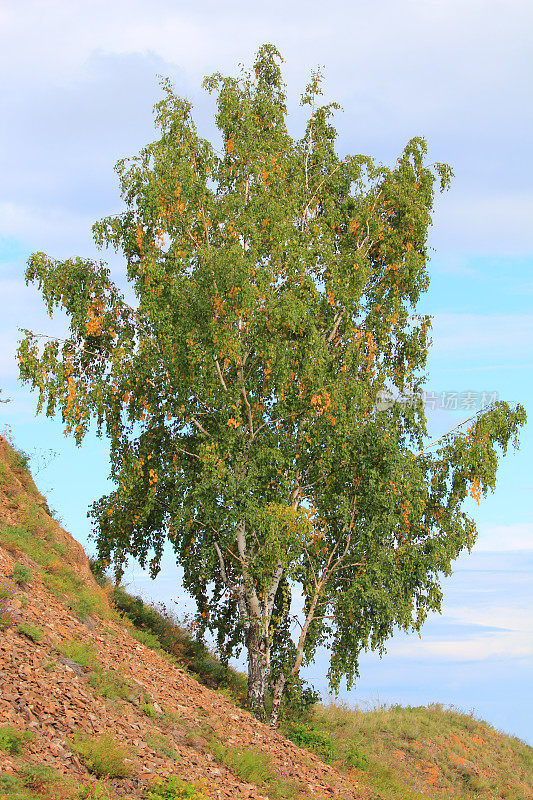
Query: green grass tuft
(252, 766)
(82, 654)
(103, 756)
(110, 685)
(12, 741)
(31, 632)
(21, 573)
(175, 789)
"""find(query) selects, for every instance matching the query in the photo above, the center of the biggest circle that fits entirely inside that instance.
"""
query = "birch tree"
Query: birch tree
(276, 286)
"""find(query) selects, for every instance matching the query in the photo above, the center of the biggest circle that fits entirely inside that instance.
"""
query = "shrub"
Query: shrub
(31, 632)
(162, 745)
(21, 460)
(159, 629)
(103, 756)
(21, 573)
(311, 739)
(99, 570)
(12, 741)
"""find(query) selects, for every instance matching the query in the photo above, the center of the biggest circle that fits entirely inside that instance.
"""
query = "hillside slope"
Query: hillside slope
(72, 671)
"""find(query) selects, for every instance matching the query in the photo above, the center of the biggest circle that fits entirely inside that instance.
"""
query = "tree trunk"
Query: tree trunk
(277, 694)
(257, 671)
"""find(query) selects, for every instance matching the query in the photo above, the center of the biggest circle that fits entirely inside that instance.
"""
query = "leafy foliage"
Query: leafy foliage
(276, 287)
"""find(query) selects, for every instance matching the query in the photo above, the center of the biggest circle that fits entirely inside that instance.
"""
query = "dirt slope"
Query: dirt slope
(45, 691)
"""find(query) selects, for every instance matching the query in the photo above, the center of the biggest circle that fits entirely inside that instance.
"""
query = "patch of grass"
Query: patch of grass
(163, 745)
(146, 638)
(402, 752)
(38, 776)
(37, 538)
(21, 573)
(9, 782)
(97, 791)
(149, 710)
(37, 782)
(103, 756)
(109, 684)
(354, 757)
(7, 589)
(12, 741)
(65, 584)
(175, 789)
(30, 632)
(28, 538)
(319, 742)
(4, 474)
(82, 654)
(252, 766)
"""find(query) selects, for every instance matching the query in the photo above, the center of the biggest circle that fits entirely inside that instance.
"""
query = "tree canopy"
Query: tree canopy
(276, 285)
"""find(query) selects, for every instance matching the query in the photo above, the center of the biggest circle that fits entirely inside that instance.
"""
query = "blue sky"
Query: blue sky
(78, 82)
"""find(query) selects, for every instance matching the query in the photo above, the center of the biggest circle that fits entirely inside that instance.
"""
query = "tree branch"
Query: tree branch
(219, 373)
(221, 565)
(200, 427)
(187, 453)
(240, 373)
(269, 604)
(336, 324)
(436, 441)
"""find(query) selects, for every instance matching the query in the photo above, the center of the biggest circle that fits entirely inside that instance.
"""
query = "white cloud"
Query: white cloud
(478, 648)
(504, 538)
(509, 634)
(485, 222)
(37, 224)
(80, 80)
(498, 335)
